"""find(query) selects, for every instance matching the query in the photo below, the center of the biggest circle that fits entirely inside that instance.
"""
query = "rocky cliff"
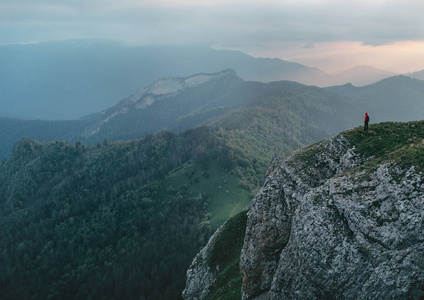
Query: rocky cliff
(341, 219)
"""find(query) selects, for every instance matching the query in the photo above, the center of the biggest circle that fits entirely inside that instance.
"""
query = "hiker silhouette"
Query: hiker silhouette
(366, 121)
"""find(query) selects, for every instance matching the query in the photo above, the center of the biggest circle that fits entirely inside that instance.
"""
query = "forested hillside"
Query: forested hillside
(126, 218)
(81, 222)
(290, 115)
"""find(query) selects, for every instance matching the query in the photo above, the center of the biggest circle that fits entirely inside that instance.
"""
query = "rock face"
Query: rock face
(210, 269)
(335, 221)
(322, 229)
(200, 276)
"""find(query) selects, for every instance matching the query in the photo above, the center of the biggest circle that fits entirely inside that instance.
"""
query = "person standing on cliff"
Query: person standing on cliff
(366, 120)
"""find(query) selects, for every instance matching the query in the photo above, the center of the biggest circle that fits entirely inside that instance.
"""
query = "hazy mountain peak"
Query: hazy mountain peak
(417, 75)
(400, 82)
(363, 67)
(362, 75)
(160, 90)
(175, 84)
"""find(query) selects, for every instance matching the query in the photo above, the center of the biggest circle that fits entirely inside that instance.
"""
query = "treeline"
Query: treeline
(12, 130)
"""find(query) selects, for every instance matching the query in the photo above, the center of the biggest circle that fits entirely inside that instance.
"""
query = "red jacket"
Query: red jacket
(366, 118)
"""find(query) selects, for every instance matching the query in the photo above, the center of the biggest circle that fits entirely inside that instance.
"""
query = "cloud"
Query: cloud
(229, 23)
(254, 26)
(309, 46)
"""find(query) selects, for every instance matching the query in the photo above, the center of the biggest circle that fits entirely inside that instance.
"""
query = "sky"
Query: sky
(332, 35)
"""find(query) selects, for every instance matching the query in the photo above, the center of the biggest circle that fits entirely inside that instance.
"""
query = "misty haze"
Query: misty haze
(213, 150)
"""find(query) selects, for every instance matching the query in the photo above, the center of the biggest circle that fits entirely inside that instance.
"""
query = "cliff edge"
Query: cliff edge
(340, 219)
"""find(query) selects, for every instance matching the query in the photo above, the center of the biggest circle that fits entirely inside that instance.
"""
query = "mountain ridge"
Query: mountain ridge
(380, 100)
(160, 90)
(74, 78)
(361, 76)
(397, 98)
(70, 79)
(417, 75)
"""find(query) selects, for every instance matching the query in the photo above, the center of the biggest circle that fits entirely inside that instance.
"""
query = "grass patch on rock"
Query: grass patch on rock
(225, 256)
(402, 143)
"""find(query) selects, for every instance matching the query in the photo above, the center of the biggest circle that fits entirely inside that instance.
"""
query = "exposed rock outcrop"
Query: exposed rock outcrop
(212, 267)
(341, 219)
(317, 231)
(201, 276)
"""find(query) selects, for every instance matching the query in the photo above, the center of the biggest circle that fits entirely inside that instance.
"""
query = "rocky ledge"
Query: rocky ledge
(341, 219)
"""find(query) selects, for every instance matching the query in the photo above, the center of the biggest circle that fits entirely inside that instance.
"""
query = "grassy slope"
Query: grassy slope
(221, 188)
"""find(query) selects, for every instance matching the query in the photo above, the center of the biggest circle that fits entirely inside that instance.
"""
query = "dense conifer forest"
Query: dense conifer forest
(86, 222)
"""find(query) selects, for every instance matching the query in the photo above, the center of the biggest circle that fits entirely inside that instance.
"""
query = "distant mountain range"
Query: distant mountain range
(177, 104)
(360, 76)
(71, 79)
(174, 104)
(180, 103)
(398, 98)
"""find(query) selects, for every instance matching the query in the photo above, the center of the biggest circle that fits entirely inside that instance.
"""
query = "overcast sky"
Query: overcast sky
(332, 35)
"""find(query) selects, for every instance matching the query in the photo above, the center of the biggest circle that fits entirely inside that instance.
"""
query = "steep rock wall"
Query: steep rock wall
(322, 229)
